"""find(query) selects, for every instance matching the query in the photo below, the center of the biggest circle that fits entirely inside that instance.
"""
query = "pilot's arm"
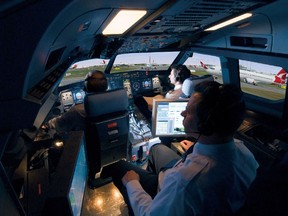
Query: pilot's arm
(74, 119)
(170, 201)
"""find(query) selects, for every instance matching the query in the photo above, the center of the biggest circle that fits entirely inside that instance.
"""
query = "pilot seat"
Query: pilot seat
(106, 132)
(190, 83)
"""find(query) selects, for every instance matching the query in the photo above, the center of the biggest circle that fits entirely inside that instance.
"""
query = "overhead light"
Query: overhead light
(123, 21)
(229, 22)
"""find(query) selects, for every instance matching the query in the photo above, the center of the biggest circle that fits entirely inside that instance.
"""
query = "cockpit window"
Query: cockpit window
(201, 64)
(143, 61)
(78, 70)
(262, 80)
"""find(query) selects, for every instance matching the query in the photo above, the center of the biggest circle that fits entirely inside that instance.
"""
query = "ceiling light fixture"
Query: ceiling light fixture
(123, 20)
(229, 22)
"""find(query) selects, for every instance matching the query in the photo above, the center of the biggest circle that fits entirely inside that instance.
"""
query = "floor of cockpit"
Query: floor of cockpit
(103, 201)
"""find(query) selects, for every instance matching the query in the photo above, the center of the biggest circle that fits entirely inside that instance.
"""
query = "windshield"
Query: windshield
(123, 63)
(143, 61)
(202, 64)
(262, 80)
(266, 81)
(78, 70)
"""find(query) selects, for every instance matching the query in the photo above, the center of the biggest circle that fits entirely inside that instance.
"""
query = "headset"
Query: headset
(182, 73)
(219, 104)
(207, 125)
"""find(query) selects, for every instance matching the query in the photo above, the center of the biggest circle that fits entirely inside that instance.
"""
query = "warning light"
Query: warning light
(112, 125)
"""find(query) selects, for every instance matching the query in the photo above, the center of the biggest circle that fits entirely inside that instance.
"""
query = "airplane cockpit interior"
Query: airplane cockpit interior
(48, 47)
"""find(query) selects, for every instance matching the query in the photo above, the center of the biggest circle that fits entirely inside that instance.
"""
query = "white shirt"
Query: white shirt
(175, 93)
(213, 180)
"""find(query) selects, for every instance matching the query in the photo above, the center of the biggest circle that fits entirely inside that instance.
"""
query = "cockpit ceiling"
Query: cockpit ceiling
(166, 26)
(182, 19)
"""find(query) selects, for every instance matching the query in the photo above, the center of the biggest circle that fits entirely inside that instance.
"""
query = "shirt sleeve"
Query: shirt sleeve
(170, 201)
(74, 119)
(140, 201)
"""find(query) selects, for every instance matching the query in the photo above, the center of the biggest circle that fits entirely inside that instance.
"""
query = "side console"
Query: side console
(266, 141)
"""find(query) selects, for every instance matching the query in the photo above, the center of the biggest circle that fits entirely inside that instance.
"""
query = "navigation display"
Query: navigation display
(147, 84)
(78, 96)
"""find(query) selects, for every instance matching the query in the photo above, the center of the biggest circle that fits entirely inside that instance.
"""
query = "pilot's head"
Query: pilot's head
(214, 109)
(178, 74)
(95, 81)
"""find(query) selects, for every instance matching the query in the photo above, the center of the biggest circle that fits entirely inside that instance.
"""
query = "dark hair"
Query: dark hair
(221, 109)
(181, 72)
(96, 81)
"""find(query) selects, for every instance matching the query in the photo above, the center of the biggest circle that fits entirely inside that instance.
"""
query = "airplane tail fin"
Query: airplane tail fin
(281, 77)
(203, 65)
(74, 66)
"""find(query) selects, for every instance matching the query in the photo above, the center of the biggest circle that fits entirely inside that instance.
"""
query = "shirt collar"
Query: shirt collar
(215, 150)
(177, 86)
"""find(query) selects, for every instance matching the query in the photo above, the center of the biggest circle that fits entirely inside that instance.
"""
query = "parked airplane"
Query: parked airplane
(249, 76)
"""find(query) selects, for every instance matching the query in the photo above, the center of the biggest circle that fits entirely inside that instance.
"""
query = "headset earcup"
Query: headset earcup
(206, 127)
(206, 124)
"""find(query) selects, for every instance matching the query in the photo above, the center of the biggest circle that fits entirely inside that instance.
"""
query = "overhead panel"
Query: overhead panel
(184, 19)
(194, 15)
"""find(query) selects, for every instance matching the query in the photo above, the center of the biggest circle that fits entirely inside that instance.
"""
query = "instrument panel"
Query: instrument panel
(72, 96)
(134, 82)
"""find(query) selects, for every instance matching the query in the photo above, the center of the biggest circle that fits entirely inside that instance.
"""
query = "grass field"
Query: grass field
(271, 93)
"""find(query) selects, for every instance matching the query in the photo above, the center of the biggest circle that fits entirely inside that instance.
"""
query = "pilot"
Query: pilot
(74, 119)
(214, 173)
(177, 76)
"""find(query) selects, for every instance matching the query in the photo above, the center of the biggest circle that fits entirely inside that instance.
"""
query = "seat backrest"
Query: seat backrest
(98, 105)
(107, 129)
(190, 83)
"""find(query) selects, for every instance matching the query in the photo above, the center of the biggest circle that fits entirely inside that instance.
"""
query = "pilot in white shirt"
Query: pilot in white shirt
(177, 76)
(216, 173)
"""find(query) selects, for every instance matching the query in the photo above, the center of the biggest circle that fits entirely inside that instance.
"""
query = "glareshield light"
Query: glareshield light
(229, 22)
(123, 21)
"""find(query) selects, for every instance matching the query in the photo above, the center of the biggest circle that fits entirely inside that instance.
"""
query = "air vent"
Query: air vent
(40, 90)
(249, 42)
(54, 58)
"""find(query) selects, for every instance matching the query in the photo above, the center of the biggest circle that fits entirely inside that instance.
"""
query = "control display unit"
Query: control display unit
(167, 119)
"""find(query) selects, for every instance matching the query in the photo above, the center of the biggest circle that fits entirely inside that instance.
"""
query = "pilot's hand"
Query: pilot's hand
(129, 176)
(186, 144)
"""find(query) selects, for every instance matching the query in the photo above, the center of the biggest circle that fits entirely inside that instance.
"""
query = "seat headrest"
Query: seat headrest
(97, 104)
(190, 83)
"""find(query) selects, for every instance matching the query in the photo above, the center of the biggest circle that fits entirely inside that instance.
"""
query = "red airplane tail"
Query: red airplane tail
(281, 77)
(203, 65)
(74, 66)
